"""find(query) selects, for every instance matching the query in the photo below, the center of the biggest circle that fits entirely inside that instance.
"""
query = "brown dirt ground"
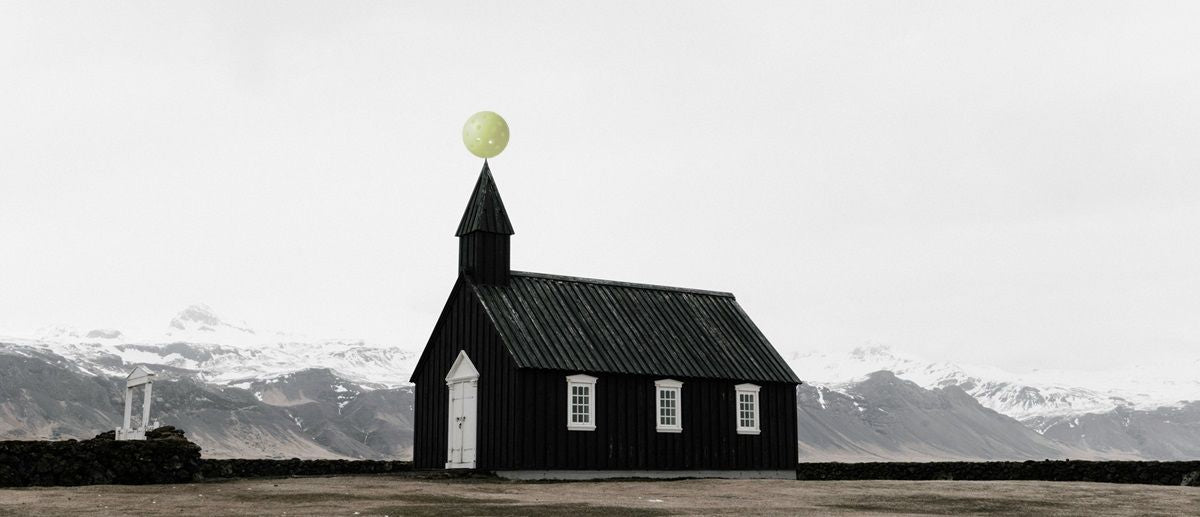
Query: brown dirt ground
(394, 496)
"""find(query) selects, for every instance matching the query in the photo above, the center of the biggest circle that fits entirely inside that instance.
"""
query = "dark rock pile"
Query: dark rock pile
(166, 456)
(296, 467)
(1186, 473)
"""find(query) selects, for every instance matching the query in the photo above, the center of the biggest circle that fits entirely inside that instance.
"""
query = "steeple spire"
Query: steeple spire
(483, 234)
(485, 211)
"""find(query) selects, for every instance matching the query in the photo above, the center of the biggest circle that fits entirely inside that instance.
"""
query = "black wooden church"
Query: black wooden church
(537, 375)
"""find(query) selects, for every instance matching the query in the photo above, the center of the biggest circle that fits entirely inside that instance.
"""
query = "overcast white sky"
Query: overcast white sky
(1005, 183)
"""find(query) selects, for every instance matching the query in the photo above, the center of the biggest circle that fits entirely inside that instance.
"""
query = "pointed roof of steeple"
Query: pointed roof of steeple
(485, 212)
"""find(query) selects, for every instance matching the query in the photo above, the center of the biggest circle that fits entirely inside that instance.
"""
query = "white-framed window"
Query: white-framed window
(668, 409)
(581, 403)
(746, 408)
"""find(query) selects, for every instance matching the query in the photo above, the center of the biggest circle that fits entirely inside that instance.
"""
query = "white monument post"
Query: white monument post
(140, 376)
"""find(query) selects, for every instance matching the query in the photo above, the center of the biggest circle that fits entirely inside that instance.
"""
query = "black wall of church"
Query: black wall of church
(464, 326)
(625, 437)
(522, 414)
(485, 257)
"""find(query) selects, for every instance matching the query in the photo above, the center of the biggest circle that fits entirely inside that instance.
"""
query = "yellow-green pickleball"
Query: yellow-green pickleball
(485, 134)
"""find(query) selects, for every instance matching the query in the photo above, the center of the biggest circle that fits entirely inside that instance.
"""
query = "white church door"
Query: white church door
(463, 384)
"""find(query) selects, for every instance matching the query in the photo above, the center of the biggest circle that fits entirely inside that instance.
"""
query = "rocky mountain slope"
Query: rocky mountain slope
(312, 413)
(1164, 433)
(884, 417)
(316, 413)
(1042, 393)
(1141, 412)
(240, 392)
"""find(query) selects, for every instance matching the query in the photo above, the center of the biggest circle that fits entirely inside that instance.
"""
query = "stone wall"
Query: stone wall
(166, 456)
(1185, 473)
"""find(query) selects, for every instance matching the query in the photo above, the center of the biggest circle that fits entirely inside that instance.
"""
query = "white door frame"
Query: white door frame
(462, 408)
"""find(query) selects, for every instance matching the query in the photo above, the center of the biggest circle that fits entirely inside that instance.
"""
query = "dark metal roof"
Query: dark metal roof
(485, 211)
(580, 324)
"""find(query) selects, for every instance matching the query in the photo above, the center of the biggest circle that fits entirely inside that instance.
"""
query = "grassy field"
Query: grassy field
(394, 495)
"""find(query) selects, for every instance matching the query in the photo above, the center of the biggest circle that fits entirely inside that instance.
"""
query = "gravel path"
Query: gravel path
(393, 496)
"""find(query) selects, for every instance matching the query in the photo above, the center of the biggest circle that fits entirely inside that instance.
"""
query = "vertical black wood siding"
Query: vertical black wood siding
(485, 257)
(625, 437)
(464, 326)
(522, 419)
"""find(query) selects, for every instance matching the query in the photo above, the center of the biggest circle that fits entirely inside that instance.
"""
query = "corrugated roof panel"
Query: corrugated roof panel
(566, 323)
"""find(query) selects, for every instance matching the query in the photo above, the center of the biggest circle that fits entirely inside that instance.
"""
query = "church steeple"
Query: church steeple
(485, 212)
(483, 234)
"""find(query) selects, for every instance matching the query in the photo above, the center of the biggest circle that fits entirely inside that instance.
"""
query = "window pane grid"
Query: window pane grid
(747, 411)
(668, 407)
(581, 401)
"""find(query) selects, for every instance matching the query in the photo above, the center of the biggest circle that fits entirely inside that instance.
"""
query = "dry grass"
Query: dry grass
(389, 495)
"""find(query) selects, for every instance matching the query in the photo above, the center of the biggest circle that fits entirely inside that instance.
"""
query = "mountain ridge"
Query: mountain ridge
(276, 394)
(1043, 394)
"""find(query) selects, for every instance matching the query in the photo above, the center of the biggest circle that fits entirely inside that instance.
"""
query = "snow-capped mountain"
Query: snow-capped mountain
(1039, 395)
(884, 417)
(227, 352)
(1145, 411)
(238, 391)
(311, 413)
(199, 321)
(244, 392)
(224, 353)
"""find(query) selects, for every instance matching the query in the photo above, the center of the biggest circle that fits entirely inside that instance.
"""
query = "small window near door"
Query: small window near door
(668, 408)
(581, 403)
(746, 410)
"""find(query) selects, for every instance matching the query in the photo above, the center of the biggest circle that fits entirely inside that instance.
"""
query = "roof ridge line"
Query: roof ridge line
(618, 283)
